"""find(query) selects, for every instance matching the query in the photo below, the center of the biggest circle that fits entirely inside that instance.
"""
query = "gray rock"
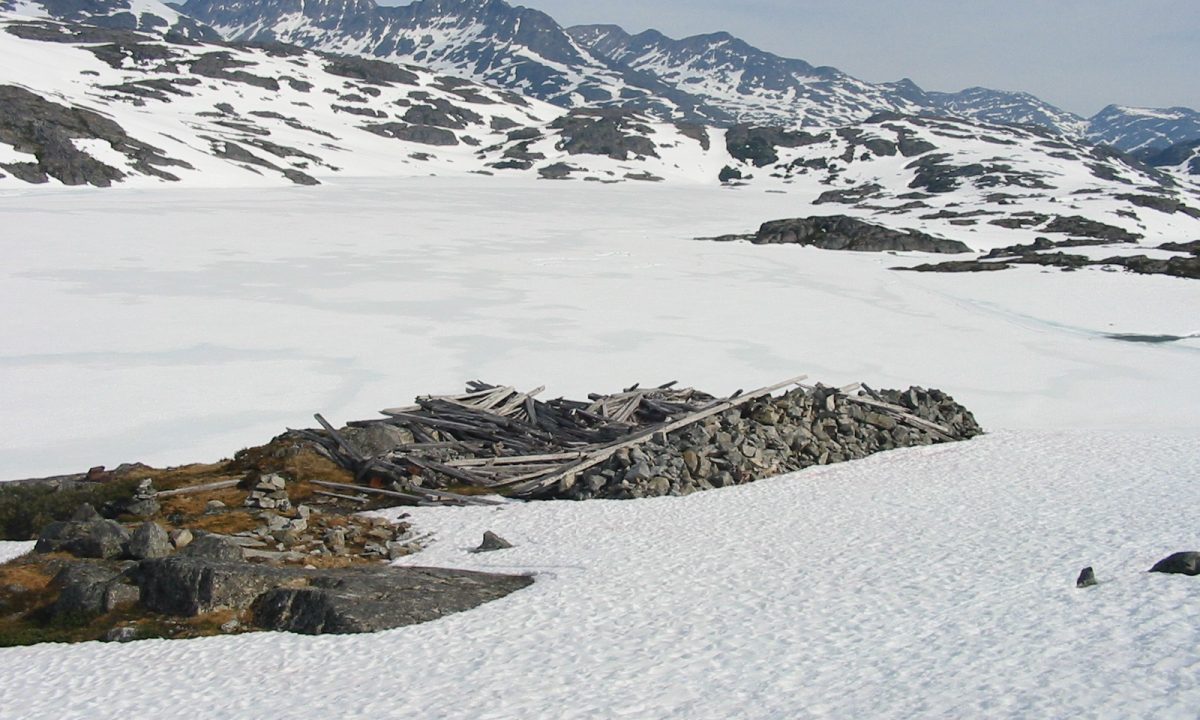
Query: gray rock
(492, 541)
(180, 538)
(215, 548)
(1180, 563)
(213, 506)
(90, 539)
(192, 585)
(841, 232)
(1087, 578)
(369, 600)
(87, 589)
(121, 634)
(149, 540)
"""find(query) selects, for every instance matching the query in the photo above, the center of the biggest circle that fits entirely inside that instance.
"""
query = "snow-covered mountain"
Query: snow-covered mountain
(489, 41)
(141, 15)
(85, 105)
(759, 87)
(748, 84)
(1136, 129)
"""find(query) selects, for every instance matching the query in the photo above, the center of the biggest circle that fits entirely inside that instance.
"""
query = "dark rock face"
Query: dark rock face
(757, 144)
(424, 134)
(1087, 578)
(87, 539)
(214, 548)
(189, 585)
(222, 65)
(1180, 563)
(87, 589)
(354, 601)
(840, 232)
(935, 173)
(615, 133)
(45, 129)
(376, 72)
(1081, 226)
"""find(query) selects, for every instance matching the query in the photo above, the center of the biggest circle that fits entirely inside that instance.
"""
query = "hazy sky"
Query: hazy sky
(1078, 54)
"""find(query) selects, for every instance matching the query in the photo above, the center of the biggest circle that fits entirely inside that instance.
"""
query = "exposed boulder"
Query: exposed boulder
(149, 540)
(840, 232)
(1083, 227)
(1087, 578)
(191, 584)
(1180, 563)
(88, 539)
(87, 589)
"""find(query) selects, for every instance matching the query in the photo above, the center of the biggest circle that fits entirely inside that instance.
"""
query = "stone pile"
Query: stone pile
(145, 500)
(770, 437)
(307, 534)
(269, 493)
(637, 443)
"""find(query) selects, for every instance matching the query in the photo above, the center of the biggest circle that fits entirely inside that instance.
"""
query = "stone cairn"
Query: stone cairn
(269, 493)
(494, 440)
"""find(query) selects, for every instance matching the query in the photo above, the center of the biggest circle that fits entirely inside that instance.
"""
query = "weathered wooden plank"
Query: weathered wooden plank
(326, 493)
(941, 430)
(515, 459)
(206, 487)
(341, 441)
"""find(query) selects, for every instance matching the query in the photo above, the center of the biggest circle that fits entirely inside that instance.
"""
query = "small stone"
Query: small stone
(180, 538)
(230, 625)
(1087, 578)
(491, 542)
(304, 511)
(213, 506)
(272, 482)
(121, 634)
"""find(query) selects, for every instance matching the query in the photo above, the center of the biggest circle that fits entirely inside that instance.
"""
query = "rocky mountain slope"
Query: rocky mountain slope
(1182, 158)
(124, 107)
(1144, 129)
(716, 78)
(488, 41)
(142, 15)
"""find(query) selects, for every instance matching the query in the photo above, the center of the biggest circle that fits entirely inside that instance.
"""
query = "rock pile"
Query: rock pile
(637, 443)
(771, 437)
(269, 493)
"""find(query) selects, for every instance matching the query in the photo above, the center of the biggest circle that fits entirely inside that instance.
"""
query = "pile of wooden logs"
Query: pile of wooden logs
(495, 440)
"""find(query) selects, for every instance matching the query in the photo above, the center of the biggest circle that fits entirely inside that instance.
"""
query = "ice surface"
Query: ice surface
(171, 326)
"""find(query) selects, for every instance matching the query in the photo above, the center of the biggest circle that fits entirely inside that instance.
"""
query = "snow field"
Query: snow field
(931, 582)
(186, 324)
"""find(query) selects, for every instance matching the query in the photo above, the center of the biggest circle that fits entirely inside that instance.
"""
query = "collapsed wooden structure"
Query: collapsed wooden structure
(495, 440)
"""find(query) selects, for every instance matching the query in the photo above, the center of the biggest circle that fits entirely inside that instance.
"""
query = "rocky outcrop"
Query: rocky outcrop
(618, 134)
(841, 232)
(370, 599)
(45, 130)
(89, 538)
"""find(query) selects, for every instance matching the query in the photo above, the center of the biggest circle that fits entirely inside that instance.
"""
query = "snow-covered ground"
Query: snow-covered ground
(935, 582)
(176, 325)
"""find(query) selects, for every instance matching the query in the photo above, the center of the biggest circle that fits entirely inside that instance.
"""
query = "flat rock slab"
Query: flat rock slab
(373, 599)
(346, 600)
